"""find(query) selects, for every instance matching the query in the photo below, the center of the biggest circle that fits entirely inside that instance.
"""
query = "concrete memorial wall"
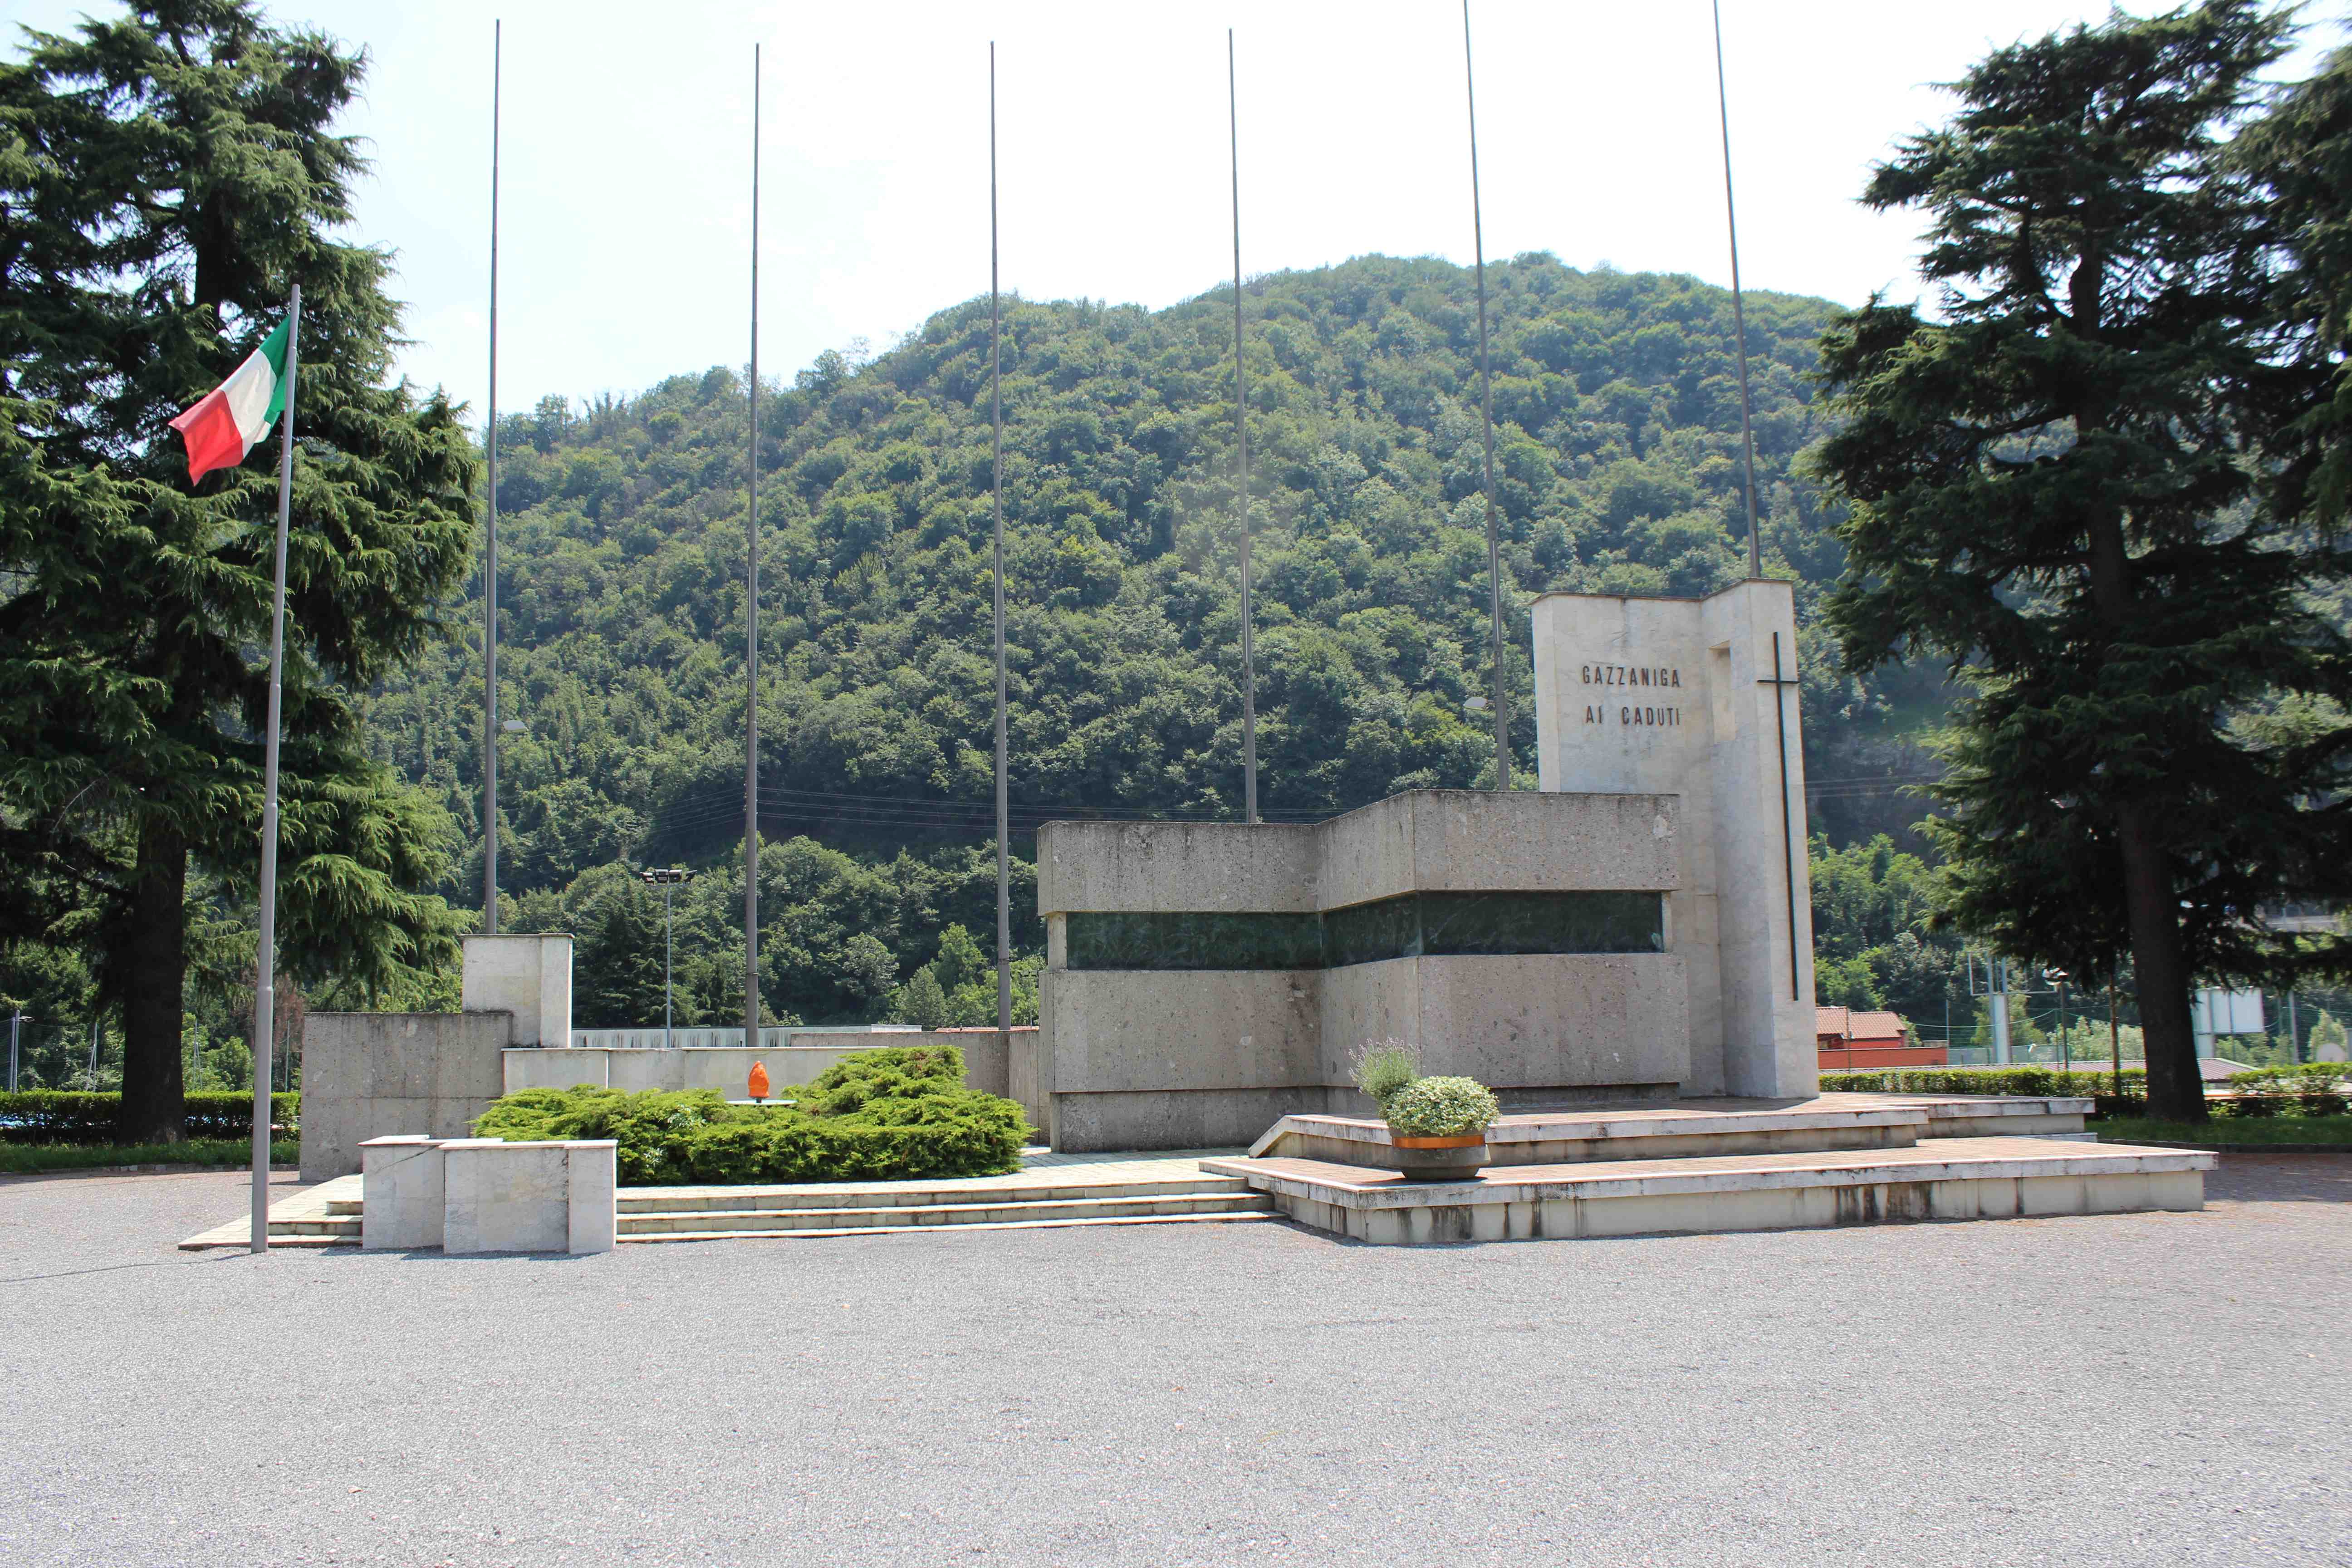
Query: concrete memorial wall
(1684, 696)
(1638, 928)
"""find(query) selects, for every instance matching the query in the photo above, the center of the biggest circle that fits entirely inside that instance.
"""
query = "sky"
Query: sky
(624, 214)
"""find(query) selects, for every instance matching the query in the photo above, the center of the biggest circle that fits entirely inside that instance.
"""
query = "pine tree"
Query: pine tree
(164, 179)
(621, 957)
(2055, 488)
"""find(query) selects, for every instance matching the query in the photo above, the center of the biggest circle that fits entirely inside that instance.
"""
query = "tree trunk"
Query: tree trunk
(152, 963)
(2176, 1090)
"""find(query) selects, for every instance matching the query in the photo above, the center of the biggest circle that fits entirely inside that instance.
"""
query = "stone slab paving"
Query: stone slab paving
(1040, 1168)
(2132, 1391)
(304, 1205)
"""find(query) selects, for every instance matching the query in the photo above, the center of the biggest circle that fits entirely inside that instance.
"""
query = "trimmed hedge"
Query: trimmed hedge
(21, 1159)
(2312, 1089)
(82, 1116)
(898, 1113)
(2082, 1081)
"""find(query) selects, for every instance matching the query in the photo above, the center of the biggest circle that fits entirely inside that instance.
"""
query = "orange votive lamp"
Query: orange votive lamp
(759, 1081)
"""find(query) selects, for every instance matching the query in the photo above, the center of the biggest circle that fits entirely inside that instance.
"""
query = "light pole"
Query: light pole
(665, 878)
(17, 1016)
(2065, 1056)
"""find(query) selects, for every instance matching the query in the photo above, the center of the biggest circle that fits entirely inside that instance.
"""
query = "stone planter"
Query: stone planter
(1455, 1159)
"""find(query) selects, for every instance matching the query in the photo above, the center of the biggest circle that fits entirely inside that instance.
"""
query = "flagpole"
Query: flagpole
(996, 415)
(490, 550)
(752, 628)
(1739, 310)
(265, 994)
(1486, 390)
(1241, 439)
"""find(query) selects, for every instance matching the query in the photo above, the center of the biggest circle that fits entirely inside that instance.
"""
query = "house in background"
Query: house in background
(1850, 1039)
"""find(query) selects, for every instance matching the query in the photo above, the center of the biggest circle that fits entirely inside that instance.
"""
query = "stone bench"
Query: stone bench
(485, 1195)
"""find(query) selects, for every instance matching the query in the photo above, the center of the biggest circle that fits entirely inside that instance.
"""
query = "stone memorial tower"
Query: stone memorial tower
(1697, 697)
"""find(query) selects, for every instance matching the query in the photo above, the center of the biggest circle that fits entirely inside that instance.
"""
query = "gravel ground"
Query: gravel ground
(2136, 1389)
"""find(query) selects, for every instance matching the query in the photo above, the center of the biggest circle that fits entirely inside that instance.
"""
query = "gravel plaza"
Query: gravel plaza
(2148, 1388)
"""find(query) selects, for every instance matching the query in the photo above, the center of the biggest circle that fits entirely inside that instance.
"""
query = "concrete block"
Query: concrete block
(528, 974)
(1130, 1031)
(371, 1075)
(403, 1192)
(1173, 1119)
(505, 1197)
(589, 1166)
(1175, 865)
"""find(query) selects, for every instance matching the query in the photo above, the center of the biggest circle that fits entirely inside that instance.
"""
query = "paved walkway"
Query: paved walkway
(2133, 1391)
(1068, 1171)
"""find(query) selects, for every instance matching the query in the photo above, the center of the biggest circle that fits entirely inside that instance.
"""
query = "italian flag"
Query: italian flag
(222, 428)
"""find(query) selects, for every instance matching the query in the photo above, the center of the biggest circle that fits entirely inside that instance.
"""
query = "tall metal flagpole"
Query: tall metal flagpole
(752, 626)
(265, 990)
(1486, 389)
(996, 414)
(490, 550)
(1738, 309)
(1240, 440)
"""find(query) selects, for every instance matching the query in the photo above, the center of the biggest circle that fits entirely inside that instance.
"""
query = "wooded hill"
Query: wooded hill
(622, 542)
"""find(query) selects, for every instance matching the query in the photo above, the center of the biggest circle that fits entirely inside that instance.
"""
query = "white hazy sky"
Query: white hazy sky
(625, 219)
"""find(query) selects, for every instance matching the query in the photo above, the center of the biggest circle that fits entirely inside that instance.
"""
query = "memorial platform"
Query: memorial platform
(1701, 1127)
(1722, 1165)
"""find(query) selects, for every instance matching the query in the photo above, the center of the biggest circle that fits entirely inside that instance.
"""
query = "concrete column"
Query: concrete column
(528, 975)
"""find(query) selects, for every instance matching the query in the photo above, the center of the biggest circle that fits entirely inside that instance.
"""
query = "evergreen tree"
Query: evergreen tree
(2054, 487)
(621, 962)
(164, 179)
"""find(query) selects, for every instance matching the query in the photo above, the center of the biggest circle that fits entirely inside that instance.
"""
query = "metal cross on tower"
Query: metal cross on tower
(1780, 685)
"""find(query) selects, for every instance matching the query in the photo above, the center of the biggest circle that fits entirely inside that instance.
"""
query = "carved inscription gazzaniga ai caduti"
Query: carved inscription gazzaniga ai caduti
(1637, 679)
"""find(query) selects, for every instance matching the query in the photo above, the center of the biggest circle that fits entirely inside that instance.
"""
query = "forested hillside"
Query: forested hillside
(622, 538)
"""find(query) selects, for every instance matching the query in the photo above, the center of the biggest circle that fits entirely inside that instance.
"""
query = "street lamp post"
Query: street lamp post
(2065, 1056)
(665, 878)
(17, 1016)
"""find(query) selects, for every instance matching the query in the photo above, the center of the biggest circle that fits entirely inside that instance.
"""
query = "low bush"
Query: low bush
(892, 1114)
(78, 1116)
(1441, 1108)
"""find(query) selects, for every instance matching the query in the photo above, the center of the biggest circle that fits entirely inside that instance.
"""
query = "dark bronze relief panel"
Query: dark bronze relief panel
(1410, 926)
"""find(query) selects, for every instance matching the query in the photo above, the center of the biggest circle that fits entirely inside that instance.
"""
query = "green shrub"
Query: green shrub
(1441, 1108)
(2082, 1081)
(78, 1116)
(23, 1157)
(2303, 1075)
(894, 1114)
(1384, 1068)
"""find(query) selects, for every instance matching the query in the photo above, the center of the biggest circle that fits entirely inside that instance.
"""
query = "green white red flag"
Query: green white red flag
(222, 428)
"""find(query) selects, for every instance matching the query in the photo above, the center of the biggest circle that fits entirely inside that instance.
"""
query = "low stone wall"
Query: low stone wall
(483, 1194)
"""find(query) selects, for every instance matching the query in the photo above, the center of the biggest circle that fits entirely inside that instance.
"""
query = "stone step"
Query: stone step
(1696, 1129)
(1250, 1216)
(887, 1195)
(920, 1215)
(1976, 1177)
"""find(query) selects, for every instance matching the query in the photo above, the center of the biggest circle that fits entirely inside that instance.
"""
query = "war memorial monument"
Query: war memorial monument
(1623, 955)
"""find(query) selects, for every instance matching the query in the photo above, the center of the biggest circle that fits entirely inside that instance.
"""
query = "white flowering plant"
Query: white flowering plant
(1384, 1066)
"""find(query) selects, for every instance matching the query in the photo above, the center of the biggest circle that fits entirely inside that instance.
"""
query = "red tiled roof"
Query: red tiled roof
(1847, 1024)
